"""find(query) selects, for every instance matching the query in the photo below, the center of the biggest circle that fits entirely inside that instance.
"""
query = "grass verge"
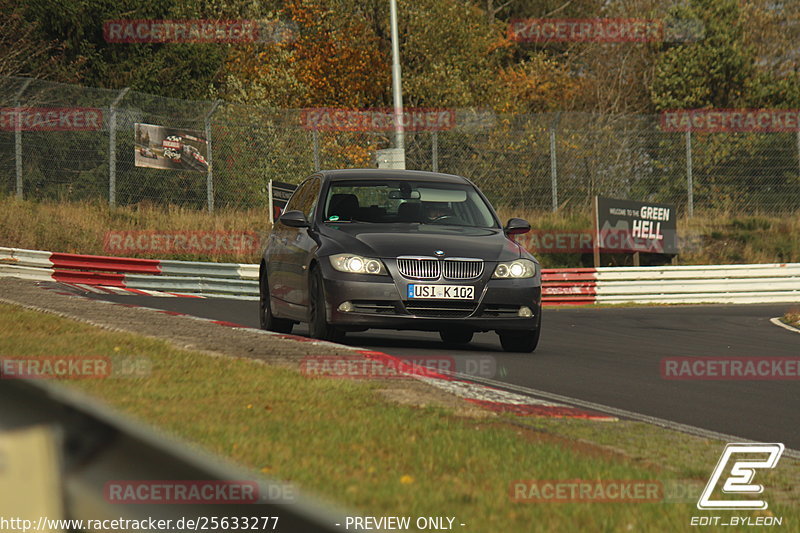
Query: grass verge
(792, 317)
(343, 441)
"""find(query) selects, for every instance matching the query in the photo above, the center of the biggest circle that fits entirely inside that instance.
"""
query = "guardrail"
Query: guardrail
(187, 277)
(764, 283)
(96, 446)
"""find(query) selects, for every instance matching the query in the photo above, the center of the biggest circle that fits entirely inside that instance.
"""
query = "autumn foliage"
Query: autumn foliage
(329, 61)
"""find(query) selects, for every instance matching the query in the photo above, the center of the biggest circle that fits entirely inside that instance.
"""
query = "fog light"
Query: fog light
(525, 312)
(346, 307)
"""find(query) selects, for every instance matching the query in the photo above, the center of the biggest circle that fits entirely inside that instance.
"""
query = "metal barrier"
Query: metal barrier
(97, 446)
(568, 286)
(766, 283)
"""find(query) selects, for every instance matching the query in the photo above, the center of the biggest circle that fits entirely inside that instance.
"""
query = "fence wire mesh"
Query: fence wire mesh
(537, 161)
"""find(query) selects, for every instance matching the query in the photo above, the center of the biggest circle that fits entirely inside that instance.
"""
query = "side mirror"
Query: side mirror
(294, 219)
(517, 226)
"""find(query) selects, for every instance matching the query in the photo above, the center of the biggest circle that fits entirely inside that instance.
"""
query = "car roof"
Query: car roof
(390, 174)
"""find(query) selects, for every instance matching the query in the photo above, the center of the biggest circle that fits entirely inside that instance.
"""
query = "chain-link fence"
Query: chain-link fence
(79, 143)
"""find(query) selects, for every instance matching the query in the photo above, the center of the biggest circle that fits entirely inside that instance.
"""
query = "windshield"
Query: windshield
(416, 202)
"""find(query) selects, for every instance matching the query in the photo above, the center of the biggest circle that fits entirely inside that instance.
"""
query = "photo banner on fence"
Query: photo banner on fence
(170, 148)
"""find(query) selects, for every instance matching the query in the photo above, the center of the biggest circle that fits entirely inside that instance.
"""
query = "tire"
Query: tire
(521, 341)
(266, 318)
(456, 336)
(318, 326)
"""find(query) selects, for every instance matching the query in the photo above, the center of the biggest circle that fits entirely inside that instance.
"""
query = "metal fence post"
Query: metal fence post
(112, 148)
(435, 151)
(18, 137)
(689, 177)
(554, 163)
(209, 158)
(798, 149)
(315, 135)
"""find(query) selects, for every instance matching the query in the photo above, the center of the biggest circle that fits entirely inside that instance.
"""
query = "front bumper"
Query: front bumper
(381, 302)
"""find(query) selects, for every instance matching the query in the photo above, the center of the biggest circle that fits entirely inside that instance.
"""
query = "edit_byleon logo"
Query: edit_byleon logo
(745, 459)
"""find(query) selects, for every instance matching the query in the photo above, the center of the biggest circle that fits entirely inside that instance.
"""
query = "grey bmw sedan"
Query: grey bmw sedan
(398, 249)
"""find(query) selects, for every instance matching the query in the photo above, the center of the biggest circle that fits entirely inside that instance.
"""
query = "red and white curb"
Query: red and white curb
(509, 402)
(485, 396)
(102, 289)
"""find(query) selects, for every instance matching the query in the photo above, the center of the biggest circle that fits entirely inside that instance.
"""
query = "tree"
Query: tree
(331, 61)
(773, 31)
(711, 72)
(170, 69)
(23, 51)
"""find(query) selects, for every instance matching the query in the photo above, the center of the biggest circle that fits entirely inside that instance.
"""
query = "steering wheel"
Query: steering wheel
(441, 217)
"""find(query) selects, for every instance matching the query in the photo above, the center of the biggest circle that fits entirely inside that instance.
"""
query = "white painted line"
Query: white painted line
(89, 288)
(777, 321)
(476, 391)
(622, 413)
(112, 290)
(160, 294)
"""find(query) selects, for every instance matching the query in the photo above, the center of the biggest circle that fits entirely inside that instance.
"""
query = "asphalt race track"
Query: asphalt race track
(610, 356)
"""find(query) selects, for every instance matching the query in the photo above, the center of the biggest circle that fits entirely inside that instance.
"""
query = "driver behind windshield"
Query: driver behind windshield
(437, 211)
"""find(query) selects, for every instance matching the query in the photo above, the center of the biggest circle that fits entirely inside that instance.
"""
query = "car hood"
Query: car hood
(392, 240)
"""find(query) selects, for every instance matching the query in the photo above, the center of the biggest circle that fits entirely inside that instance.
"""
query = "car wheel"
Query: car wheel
(521, 341)
(456, 336)
(318, 326)
(267, 319)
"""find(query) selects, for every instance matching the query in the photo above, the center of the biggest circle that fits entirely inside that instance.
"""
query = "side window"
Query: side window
(309, 200)
(297, 198)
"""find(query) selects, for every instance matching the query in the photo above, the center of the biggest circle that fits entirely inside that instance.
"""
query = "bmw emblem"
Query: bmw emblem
(439, 253)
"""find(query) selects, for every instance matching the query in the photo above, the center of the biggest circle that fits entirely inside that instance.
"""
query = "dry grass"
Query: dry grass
(792, 317)
(81, 227)
(707, 238)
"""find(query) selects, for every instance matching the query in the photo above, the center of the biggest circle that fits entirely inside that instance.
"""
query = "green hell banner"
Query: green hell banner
(628, 226)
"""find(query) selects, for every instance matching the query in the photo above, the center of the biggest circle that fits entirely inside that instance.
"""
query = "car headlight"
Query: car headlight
(518, 269)
(355, 264)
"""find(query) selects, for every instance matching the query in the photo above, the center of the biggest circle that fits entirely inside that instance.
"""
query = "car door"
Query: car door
(299, 244)
(279, 266)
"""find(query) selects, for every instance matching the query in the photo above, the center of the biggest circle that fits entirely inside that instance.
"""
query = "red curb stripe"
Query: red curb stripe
(229, 324)
(549, 411)
(403, 365)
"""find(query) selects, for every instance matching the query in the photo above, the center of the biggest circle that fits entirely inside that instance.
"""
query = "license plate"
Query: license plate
(441, 292)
